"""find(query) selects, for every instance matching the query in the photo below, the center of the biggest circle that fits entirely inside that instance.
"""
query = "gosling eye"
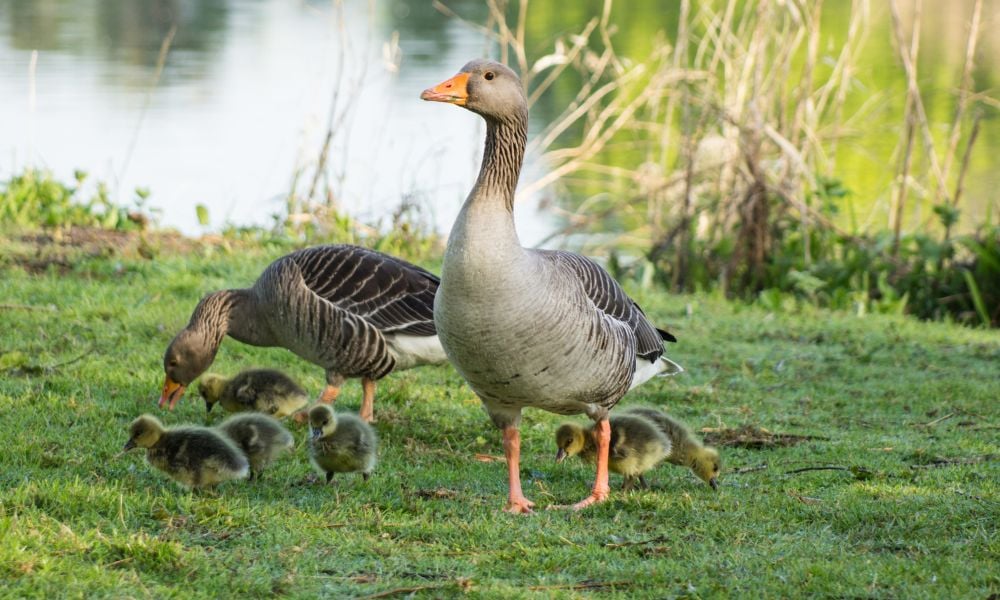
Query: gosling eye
(172, 362)
(488, 76)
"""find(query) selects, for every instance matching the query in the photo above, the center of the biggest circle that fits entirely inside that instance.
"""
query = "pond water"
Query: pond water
(244, 97)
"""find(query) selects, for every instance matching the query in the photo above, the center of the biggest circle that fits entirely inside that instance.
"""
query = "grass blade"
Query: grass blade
(977, 298)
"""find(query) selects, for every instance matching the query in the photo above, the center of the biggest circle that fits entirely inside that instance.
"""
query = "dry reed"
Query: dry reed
(736, 126)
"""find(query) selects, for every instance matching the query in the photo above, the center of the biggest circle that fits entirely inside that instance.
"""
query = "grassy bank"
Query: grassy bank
(909, 410)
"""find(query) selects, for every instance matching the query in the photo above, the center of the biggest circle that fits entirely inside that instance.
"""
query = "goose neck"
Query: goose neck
(502, 158)
(226, 312)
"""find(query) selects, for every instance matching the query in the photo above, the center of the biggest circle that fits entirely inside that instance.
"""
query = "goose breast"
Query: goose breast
(536, 339)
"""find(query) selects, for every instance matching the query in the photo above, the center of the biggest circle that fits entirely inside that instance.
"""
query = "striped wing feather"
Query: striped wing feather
(611, 299)
(391, 294)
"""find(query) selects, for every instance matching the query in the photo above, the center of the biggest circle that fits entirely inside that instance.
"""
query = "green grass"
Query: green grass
(80, 353)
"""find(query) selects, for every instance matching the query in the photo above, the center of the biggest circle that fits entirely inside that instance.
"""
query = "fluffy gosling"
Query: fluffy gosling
(340, 443)
(637, 445)
(261, 390)
(260, 437)
(688, 451)
(195, 457)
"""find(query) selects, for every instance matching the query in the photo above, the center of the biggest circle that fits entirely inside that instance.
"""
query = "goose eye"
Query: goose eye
(489, 76)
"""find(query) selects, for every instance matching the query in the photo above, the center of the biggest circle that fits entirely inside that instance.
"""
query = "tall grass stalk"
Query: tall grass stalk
(720, 148)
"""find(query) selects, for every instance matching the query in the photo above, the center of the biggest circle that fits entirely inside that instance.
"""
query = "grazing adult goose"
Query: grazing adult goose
(340, 443)
(524, 327)
(353, 311)
(195, 457)
(261, 390)
(687, 450)
(637, 445)
(260, 437)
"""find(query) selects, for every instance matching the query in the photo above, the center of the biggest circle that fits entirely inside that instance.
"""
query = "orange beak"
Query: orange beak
(172, 391)
(452, 91)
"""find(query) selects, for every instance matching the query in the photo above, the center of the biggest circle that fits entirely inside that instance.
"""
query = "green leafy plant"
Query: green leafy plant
(35, 198)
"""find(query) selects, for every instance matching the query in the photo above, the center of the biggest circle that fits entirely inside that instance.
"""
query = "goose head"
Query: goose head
(210, 388)
(485, 87)
(322, 421)
(706, 464)
(144, 432)
(570, 439)
(189, 355)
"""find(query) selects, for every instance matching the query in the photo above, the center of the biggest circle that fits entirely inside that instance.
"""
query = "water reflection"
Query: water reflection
(244, 97)
(116, 34)
(241, 104)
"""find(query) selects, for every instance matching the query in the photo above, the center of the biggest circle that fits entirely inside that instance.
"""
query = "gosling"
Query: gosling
(260, 437)
(687, 451)
(262, 390)
(637, 446)
(195, 457)
(340, 443)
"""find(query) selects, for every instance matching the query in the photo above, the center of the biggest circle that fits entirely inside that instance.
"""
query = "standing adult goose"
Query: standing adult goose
(538, 328)
(353, 311)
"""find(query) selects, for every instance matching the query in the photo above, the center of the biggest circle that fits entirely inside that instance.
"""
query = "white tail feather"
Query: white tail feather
(646, 370)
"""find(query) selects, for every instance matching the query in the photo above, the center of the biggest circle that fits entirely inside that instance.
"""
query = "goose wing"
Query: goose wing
(611, 299)
(390, 293)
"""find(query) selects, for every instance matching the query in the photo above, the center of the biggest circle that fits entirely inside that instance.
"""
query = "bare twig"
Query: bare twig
(661, 538)
(975, 497)
(960, 184)
(947, 462)
(825, 468)
(744, 470)
(25, 307)
(910, 118)
(161, 62)
(47, 368)
(405, 590)
(805, 499)
(908, 58)
(936, 421)
(964, 90)
(587, 585)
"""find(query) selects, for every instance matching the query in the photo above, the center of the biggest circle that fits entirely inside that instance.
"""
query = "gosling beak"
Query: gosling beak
(714, 482)
(452, 91)
(208, 406)
(317, 433)
(128, 445)
(172, 392)
(560, 456)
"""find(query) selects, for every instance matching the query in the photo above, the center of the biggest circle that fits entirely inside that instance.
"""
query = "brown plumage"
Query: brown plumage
(637, 445)
(353, 311)
(195, 457)
(260, 437)
(687, 450)
(260, 390)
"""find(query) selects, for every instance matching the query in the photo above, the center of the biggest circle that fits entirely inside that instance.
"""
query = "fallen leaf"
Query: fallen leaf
(805, 499)
(488, 458)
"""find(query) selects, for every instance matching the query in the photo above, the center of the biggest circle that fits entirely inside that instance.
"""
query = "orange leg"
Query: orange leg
(368, 400)
(517, 504)
(602, 435)
(330, 393)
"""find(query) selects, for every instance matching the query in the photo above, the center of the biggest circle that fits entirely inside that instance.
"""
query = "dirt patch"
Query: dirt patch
(753, 437)
(436, 494)
(63, 249)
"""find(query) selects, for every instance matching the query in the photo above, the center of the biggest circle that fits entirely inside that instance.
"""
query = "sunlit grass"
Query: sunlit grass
(81, 356)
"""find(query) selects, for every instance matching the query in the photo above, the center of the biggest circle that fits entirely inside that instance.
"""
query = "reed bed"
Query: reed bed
(724, 142)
